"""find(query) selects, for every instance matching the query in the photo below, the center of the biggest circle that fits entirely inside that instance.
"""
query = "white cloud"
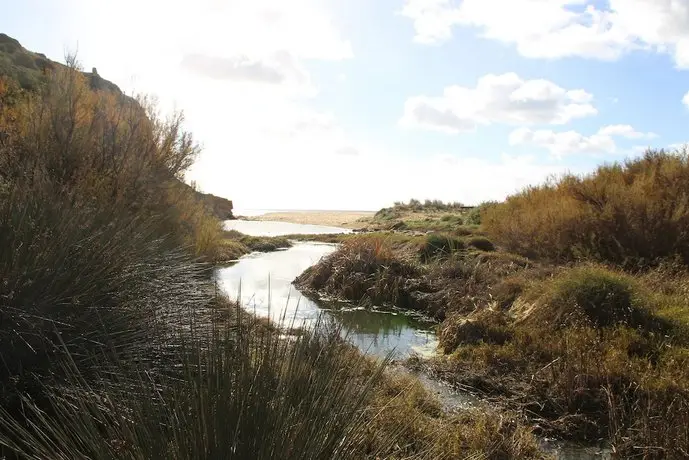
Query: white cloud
(571, 142)
(625, 131)
(685, 99)
(262, 41)
(333, 180)
(505, 98)
(274, 70)
(561, 28)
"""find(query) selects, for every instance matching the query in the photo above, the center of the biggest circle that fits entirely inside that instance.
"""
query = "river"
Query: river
(265, 283)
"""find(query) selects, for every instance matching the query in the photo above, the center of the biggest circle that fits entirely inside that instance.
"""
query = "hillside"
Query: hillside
(29, 70)
(216, 205)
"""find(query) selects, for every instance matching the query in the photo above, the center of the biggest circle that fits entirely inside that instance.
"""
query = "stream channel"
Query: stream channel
(265, 283)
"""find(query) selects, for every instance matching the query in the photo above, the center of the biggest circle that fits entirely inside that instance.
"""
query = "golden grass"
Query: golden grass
(634, 214)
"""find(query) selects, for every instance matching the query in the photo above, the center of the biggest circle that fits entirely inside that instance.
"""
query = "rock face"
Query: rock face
(218, 206)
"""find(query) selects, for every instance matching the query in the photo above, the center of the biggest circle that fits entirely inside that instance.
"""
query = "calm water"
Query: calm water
(271, 228)
(266, 289)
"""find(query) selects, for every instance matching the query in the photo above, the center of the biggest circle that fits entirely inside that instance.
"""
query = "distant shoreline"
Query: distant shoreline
(346, 219)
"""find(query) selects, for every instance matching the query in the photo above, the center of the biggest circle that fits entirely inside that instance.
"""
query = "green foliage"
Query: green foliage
(439, 245)
(590, 296)
(474, 216)
(415, 205)
(634, 214)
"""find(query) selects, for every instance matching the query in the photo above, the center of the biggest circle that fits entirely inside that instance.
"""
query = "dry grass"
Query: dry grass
(592, 352)
(633, 214)
(435, 435)
(363, 269)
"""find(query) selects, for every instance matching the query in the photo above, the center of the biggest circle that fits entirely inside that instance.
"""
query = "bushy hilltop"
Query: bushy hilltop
(30, 71)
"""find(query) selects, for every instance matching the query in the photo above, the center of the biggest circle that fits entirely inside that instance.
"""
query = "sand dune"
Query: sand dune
(347, 219)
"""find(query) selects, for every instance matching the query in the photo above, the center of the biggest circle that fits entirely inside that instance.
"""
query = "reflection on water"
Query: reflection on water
(379, 331)
(266, 288)
(274, 228)
(562, 451)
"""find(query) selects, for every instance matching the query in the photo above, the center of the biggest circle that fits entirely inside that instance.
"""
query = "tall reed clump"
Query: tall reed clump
(635, 214)
(363, 269)
(232, 392)
(94, 249)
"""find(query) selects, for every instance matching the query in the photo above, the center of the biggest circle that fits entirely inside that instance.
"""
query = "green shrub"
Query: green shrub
(438, 245)
(590, 296)
(473, 217)
(25, 60)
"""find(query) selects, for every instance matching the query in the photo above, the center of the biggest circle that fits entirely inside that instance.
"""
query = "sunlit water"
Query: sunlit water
(274, 228)
(266, 289)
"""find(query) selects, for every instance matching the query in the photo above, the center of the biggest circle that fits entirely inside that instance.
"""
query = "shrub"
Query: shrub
(482, 243)
(635, 214)
(590, 296)
(96, 232)
(474, 217)
(439, 245)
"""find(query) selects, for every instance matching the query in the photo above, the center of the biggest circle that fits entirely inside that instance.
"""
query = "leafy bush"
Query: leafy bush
(474, 216)
(635, 214)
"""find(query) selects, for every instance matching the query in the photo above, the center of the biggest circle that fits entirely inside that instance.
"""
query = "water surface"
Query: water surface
(266, 286)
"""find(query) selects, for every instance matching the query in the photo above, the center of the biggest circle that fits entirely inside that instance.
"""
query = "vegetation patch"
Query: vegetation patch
(589, 296)
(482, 243)
(417, 216)
(438, 245)
(634, 214)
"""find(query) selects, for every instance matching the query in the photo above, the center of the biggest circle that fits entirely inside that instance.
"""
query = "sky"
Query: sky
(355, 104)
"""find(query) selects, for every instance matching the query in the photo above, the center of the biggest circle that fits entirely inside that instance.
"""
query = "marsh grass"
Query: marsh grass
(365, 270)
(591, 352)
(237, 391)
(440, 245)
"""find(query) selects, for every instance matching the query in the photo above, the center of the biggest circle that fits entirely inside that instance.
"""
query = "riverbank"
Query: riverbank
(402, 408)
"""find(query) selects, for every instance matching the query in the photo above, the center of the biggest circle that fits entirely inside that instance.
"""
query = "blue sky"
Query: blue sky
(333, 104)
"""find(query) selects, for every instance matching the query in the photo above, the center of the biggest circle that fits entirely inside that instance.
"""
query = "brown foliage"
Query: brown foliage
(634, 214)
